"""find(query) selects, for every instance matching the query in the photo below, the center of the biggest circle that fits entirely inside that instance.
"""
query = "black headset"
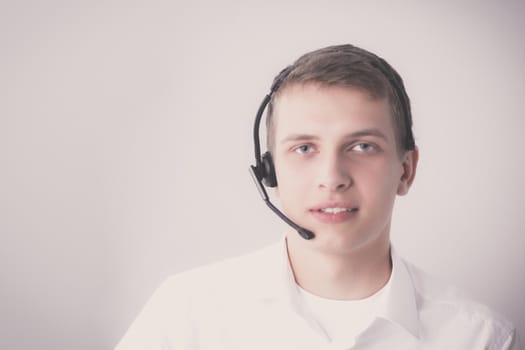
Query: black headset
(264, 168)
(263, 172)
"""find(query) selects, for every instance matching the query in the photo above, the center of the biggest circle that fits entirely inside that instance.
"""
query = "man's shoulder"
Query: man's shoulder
(438, 299)
(225, 278)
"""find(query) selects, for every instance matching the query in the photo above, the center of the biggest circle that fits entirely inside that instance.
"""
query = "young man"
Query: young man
(341, 149)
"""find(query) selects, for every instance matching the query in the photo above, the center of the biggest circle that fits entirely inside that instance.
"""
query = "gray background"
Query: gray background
(125, 137)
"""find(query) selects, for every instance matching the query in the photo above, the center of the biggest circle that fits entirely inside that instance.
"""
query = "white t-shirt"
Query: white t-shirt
(342, 320)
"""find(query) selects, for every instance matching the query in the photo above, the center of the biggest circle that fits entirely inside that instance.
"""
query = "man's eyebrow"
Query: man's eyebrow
(368, 132)
(355, 134)
(299, 137)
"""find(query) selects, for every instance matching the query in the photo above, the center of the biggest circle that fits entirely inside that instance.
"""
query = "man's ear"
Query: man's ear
(409, 164)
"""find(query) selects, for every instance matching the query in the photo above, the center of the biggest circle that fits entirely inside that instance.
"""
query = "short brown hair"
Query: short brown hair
(351, 66)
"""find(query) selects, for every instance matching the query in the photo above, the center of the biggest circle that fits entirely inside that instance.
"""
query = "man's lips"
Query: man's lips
(334, 212)
(335, 208)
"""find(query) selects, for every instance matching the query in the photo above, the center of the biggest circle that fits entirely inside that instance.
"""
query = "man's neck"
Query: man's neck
(355, 275)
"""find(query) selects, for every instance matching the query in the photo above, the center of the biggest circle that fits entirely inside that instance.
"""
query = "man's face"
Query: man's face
(337, 164)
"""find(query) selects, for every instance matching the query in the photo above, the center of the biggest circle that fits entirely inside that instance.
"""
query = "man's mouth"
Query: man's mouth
(337, 210)
(334, 213)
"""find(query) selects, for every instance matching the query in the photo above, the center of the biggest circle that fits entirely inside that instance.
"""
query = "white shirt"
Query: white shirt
(252, 302)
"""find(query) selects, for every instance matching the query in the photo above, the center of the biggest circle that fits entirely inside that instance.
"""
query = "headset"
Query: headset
(263, 172)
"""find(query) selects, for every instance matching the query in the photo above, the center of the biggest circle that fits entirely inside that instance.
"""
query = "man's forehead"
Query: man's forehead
(304, 109)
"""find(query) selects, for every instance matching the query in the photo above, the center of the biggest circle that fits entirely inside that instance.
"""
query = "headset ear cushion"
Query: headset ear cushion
(269, 177)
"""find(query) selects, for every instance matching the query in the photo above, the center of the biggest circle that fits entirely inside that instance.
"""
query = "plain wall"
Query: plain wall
(125, 138)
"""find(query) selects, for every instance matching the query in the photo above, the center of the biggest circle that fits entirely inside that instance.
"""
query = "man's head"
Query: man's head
(353, 67)
(341, 141)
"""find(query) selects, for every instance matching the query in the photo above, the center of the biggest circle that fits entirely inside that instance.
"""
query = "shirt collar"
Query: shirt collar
(399, 305)
(277, 283)
(274, 276)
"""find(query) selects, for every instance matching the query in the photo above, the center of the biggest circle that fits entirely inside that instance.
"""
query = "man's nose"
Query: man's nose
(333, 174)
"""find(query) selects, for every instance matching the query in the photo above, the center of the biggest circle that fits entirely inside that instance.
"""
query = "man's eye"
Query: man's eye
(363, 147)
(304, 149)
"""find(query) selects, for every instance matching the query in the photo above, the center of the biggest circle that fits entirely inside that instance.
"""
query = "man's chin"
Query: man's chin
(337, 241)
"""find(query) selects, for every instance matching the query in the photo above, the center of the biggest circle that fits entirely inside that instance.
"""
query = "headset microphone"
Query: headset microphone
(264, 171)
(306, 234)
